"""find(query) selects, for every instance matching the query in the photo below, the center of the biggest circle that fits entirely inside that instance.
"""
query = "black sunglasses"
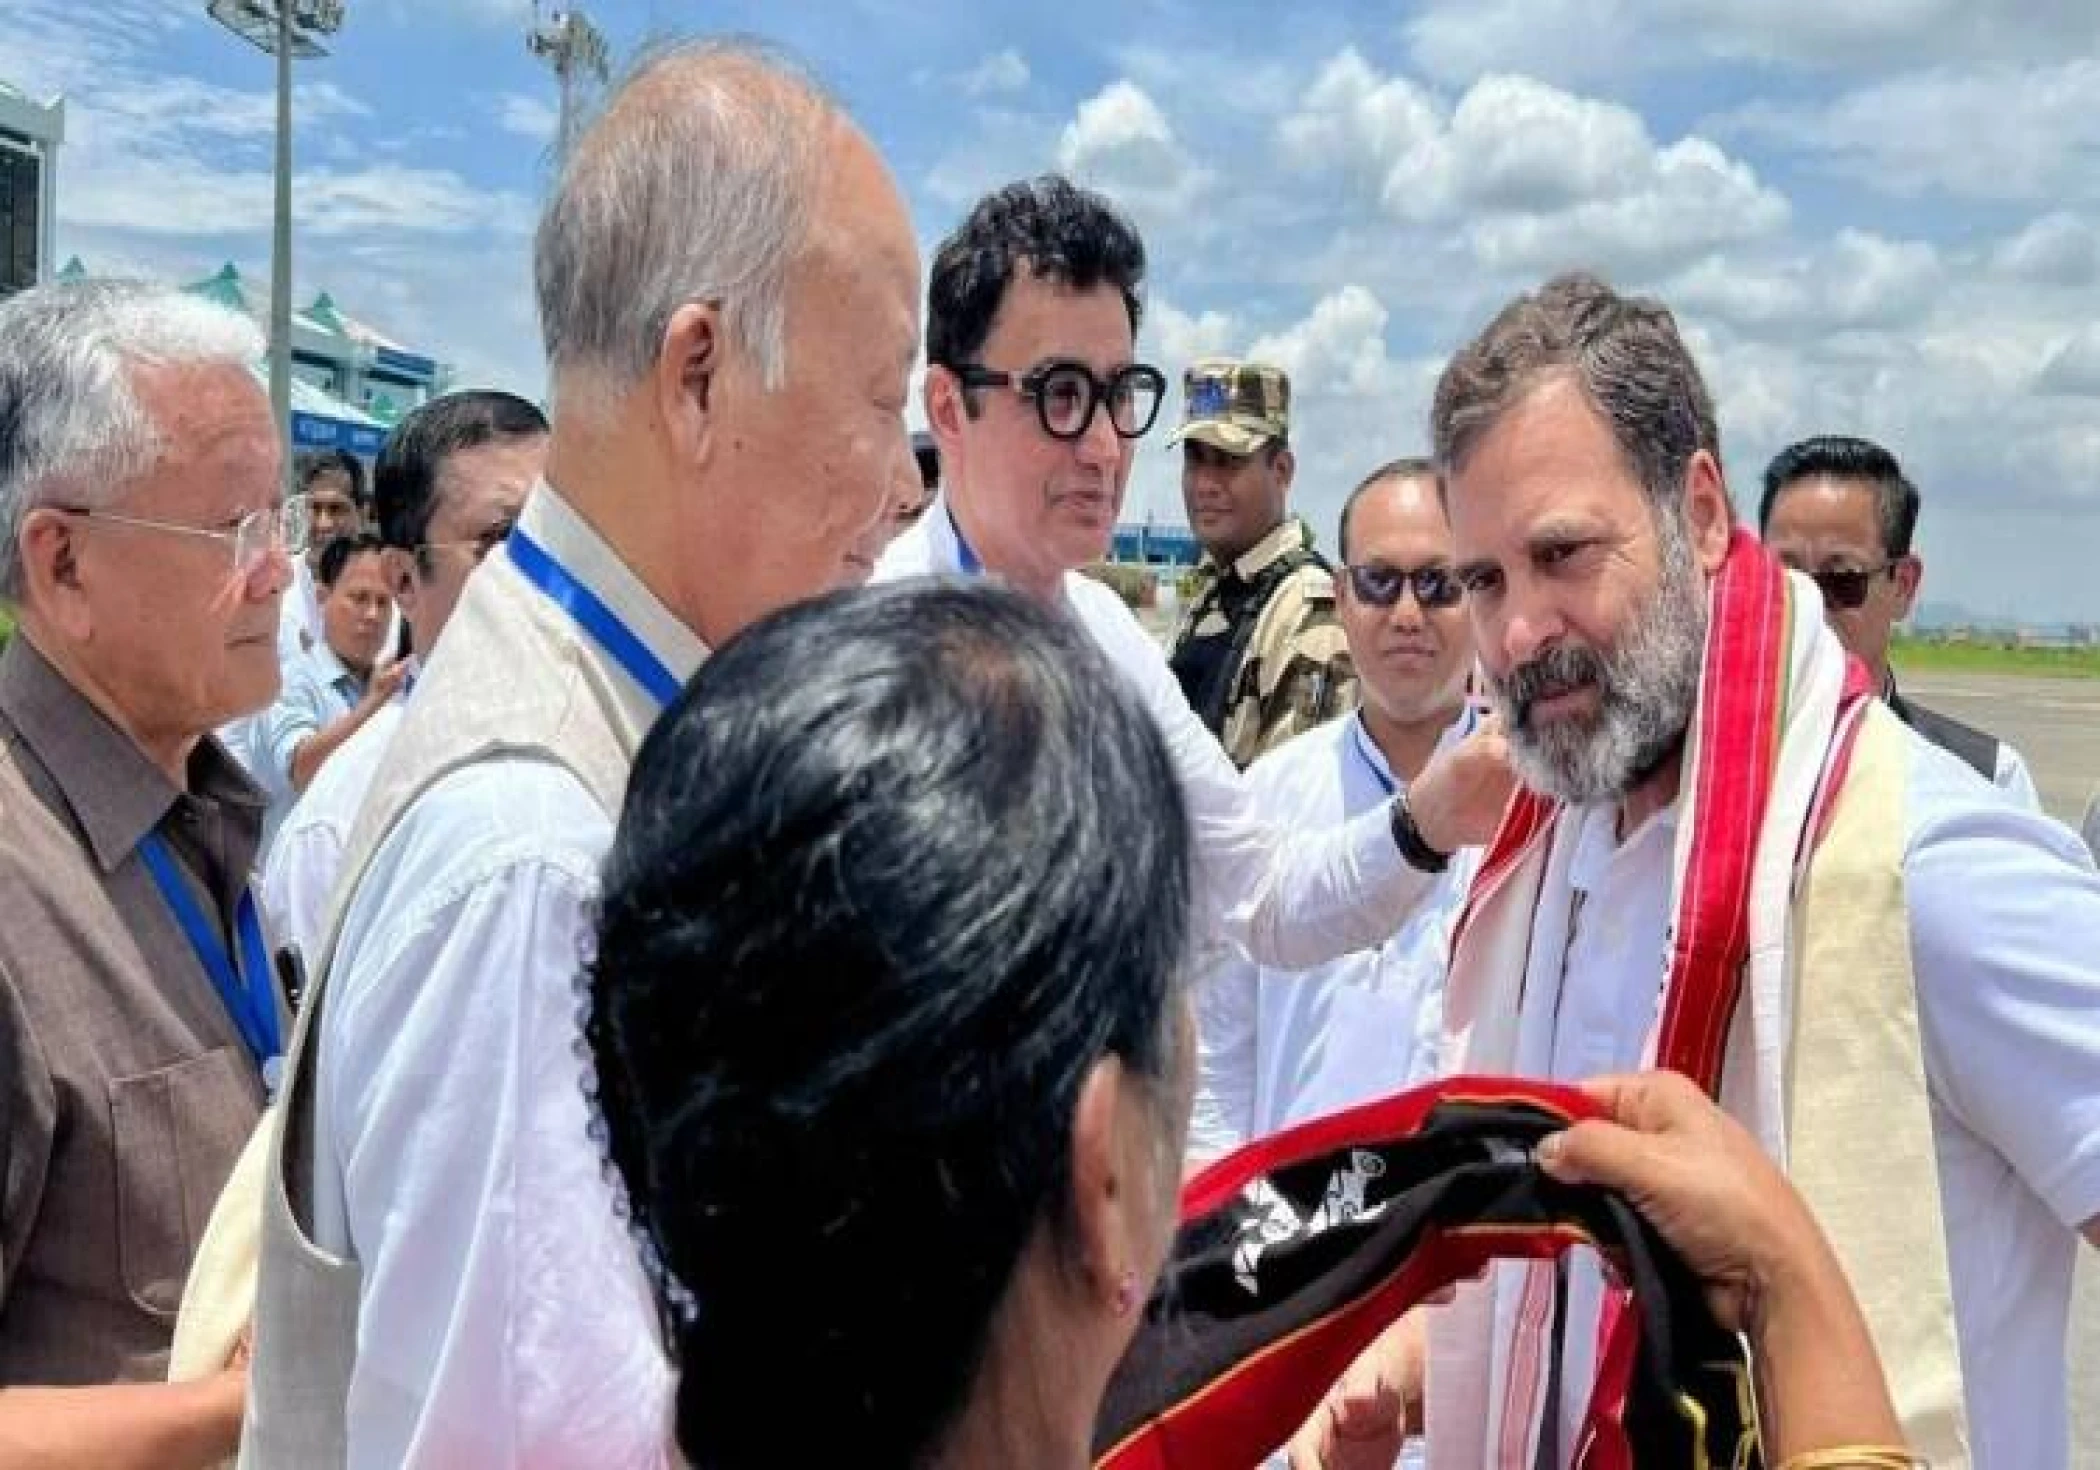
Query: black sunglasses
(1381, 585)
(1067, 393)
(1846, 590)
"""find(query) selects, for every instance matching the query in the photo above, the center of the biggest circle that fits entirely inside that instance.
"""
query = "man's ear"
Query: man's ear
(1908, 575)
(688, 378)
(1707, 511)
(48, 550)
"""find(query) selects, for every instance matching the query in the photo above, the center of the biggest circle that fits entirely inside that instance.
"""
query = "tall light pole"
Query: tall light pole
(567, 41)
(285, 29)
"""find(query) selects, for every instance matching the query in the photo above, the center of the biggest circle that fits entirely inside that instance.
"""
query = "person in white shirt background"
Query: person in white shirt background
(1278, 1047)
(331, 485)
(1036, 399)
(446, 490)
(346, 678)
(728, 289)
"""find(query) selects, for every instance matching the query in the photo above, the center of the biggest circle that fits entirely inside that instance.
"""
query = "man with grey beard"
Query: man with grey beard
(1735, 863)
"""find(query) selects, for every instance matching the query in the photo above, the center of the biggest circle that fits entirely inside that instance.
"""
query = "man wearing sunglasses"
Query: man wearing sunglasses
(142, 541)
(1841, 510)
(1259, 653)
(1279, 1047)
(447, 489)
(1037, 398)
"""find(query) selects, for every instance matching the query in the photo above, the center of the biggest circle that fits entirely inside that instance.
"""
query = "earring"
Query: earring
(1126, 1292)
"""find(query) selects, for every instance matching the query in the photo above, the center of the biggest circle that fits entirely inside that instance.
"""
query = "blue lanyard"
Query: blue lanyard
(539, 567)
(244, 983)
(964, 552)
(1371, 764)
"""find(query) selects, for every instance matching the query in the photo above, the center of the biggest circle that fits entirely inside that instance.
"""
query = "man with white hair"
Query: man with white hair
(727, 287)
(143, 543)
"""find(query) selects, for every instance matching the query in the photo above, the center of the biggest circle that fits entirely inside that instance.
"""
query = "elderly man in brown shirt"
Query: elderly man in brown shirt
(146, 549)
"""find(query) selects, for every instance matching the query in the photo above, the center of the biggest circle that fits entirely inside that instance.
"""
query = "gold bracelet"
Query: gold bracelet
(1857, 1457)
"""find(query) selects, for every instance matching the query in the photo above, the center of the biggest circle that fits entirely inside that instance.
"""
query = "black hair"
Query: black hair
(341, 551)
(1843, 457)
(1059, 231)
(1393, 469)
(896, 870)
(412, 464)
(928, 455)
(317, 462)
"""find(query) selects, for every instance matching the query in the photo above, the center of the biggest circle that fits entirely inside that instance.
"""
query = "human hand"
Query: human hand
(1372, 1408)
(387, 680)
(1699, 1178)
(1458, 799)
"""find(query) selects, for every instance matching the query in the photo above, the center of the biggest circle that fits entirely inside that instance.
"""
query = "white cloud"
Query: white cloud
(2074, 368)
(528, 117)
(2059, 249)
(1581, 40)
(1121, 142)
(1994, 132)
(1001, 72)
(1535, 178)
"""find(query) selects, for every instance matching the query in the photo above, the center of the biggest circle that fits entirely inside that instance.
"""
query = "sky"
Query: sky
(1872, 216)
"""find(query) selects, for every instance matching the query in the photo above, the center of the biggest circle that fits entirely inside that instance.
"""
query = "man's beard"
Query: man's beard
(1646, 688)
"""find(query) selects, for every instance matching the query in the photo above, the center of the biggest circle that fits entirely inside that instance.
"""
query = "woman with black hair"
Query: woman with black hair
(892, 1054)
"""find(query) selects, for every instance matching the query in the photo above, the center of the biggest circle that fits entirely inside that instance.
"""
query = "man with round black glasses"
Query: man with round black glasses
(1259, 653)
(1036, 397)
(1842, 510)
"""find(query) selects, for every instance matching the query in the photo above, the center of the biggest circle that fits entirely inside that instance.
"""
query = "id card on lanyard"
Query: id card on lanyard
(241, 977)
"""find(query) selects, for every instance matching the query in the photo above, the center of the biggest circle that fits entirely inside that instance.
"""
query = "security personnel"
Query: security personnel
(1259, 653)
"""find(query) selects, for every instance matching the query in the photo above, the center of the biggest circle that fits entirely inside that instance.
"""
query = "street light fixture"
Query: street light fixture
(285, 29)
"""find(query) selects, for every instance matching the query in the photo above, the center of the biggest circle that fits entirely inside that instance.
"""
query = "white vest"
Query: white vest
(514, 676)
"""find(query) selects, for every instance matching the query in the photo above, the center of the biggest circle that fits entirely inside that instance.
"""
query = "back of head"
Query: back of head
(897, 870)
(1057, 230)
(1846, 458)
(72, 428)
(406, 477)
(1623, 351)
(696, 183)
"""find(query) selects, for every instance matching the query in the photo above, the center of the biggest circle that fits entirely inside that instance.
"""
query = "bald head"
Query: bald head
(697, 183)
(1404, 477)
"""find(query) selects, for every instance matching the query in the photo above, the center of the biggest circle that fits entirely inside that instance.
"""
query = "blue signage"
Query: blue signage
(314, 431)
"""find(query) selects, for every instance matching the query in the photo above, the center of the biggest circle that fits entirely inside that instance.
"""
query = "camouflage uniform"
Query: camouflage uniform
(1260, 653)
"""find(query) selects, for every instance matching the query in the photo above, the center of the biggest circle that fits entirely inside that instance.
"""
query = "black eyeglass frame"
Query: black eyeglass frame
(1031, 384)
(1436, 585)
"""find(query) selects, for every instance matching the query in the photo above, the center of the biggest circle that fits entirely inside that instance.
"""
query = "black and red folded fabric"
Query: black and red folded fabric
(1297, 1251)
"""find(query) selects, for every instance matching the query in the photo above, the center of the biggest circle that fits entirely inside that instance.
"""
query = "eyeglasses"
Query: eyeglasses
(1066, 393)
(255, 537)
(1379, 584)
(477, 546)
(1846, 589)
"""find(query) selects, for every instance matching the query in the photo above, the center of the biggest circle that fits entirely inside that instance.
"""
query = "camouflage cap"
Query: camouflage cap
(1233, 405)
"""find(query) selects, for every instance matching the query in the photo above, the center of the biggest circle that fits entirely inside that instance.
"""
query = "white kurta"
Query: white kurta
(503, 1317)
(2005, 949)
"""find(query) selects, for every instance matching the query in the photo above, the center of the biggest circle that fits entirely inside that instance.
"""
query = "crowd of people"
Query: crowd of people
(656, 936)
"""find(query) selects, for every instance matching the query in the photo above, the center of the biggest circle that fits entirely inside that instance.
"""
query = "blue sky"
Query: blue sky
(1881, 216)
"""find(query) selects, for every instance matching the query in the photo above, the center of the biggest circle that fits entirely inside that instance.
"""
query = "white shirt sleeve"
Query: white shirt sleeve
(298, 877)
(1289, 900)
(2005, 945)
(1228, 1003)
(503, 1316)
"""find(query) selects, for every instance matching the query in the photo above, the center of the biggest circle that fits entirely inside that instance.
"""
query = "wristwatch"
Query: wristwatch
(1408, 838)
